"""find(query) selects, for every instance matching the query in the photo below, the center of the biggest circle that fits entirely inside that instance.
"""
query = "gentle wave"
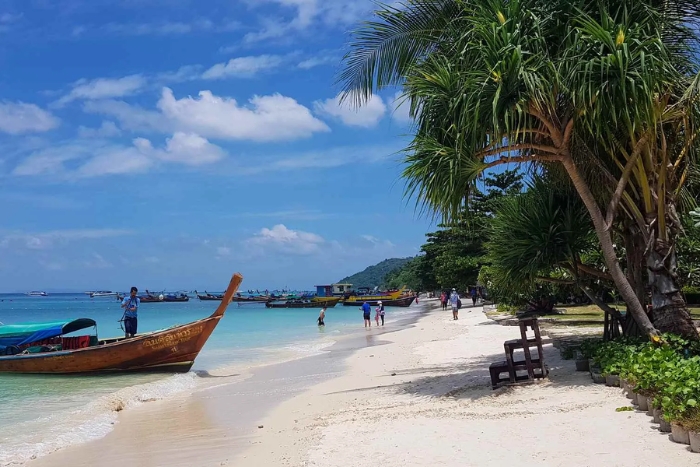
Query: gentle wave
(95, 420)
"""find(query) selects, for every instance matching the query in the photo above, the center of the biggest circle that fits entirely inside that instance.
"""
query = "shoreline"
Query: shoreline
(285, 374)
(417, 396)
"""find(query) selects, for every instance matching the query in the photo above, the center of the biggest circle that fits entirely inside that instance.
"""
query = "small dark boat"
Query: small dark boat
(172, 350)
(330, 303)
(208, 296)
(251, 299)
(176, 298)
(404, 301)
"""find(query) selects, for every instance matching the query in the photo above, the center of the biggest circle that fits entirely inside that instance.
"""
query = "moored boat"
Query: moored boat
(102, 293)
(36, 293)
(328, 303)
(404, 301)
(173, 349)
(208, 296)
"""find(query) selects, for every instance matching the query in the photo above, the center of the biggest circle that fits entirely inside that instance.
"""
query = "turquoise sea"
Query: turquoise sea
(43, 413)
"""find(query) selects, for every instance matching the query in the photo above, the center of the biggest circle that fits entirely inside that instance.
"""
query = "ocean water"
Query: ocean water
(42, 413)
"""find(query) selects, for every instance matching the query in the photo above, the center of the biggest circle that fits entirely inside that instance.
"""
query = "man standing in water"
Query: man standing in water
(131, 309)
(367, 312)
(454, 301)
(322, 316)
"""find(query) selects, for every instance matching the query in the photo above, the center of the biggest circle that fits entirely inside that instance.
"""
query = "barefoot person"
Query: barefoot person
(381, 312)
(322, 317)
(131, 308)
(454, 302)
(367, 312)
(377, 313)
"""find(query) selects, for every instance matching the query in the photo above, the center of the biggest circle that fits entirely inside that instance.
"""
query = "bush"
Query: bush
(669, 374)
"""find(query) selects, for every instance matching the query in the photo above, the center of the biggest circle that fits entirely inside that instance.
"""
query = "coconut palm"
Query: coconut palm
(603, 89)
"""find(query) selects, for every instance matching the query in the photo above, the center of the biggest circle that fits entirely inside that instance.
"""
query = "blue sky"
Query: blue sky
(167, 143)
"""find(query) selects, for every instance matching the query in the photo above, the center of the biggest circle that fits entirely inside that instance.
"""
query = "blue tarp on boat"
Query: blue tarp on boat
(20, 334)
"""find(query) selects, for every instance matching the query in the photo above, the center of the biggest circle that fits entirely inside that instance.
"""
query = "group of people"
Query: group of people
(456, 303)
(366, 312)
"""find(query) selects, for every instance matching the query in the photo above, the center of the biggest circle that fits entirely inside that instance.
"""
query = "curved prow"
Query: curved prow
(228, 295)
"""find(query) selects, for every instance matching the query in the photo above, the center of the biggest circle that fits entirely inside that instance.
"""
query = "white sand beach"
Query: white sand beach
(421, 399)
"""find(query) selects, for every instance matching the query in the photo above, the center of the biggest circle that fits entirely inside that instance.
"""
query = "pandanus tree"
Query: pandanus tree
(594, 87)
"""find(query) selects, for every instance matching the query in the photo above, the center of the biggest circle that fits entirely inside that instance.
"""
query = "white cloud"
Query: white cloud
(100, 158)
(243, 67)
(377, 242)
(366, 116)
(223, 251)
(170, 28)
(322, 159)
(103, 88)
(400, 108)
(184, 73)
(44, 240)
(108, 129)
(97, 261)
(317, 61)
(307, 13)
(265, 118)
(20, 117)
(286, 240)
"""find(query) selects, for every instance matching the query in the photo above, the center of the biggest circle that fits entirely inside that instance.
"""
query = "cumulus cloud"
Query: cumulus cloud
(264, 118)
(243, 67)
(400, 108)
(92, 160)
(106, 130)
(44, 240)
(366, 116)
(286, 240)
(20, 117)
(103, 88)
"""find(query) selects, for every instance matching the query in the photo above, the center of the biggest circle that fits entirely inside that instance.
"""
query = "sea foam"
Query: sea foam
(95, 420)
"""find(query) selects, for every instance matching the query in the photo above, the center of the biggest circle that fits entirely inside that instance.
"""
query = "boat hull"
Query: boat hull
(209, 298)
(399, 302)
(313, 304)
(172, 350)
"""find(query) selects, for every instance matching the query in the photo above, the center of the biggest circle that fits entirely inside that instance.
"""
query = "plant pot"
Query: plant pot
(694, 441)
(679, 434)
(598, 378)
(657, 415)
(612, 380)
(650, 410)
(582, 365)
(642, 402)
(664, 426)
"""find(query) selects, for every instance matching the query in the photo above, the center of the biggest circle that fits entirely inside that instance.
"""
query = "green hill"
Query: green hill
(374, 276)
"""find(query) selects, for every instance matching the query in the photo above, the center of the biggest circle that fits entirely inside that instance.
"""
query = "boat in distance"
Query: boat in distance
(36, 293)
(328, 303)
(404, 301)
(171, 350)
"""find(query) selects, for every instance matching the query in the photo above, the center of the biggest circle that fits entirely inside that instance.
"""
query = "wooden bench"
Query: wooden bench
(534, 367)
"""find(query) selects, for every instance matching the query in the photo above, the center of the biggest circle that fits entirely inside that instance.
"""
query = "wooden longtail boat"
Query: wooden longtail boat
(376, 297)
(171, 350)
(328, 303)
(242, 299)
(208, 296)
(404, 301)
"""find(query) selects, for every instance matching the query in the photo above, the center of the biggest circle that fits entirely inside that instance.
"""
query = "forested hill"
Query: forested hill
(374, 276)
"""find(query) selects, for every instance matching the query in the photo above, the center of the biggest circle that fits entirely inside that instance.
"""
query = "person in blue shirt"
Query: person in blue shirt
(456, 304)
(367, 312)
(131, 309)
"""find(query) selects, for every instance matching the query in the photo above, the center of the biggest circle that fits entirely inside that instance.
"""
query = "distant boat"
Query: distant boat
(101, 293)
(37, 294)
(403, 301)
(328, 303)
(208, 296)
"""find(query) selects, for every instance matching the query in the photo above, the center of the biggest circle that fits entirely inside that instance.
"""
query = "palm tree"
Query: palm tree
(603, 88)
(544, 236)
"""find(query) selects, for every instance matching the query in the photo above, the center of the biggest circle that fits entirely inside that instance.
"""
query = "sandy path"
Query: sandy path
(439, 409)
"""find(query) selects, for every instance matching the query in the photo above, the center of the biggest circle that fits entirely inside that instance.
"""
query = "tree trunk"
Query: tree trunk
(636, 267)
(606, 244)
(668, 306)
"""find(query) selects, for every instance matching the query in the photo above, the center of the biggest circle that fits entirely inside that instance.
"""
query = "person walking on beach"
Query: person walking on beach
(131, 309)
(377, 312)
(443, 300)
(322, 317)
(381, 312)
(367, 312)
(454, 301)
(474, 296)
